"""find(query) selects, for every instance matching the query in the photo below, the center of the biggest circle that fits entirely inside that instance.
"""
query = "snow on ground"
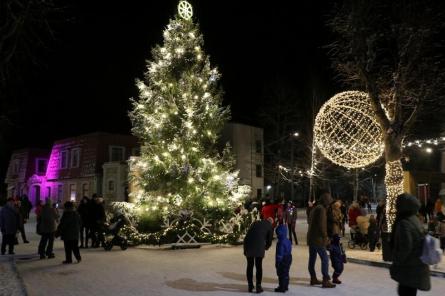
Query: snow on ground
(210, 270)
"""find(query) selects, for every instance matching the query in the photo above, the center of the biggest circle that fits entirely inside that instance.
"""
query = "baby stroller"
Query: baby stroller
(111, 234)
(358, 239)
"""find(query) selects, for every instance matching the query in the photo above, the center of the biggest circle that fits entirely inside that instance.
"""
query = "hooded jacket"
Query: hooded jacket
(407, 269)
(258, 239)
(284, 246)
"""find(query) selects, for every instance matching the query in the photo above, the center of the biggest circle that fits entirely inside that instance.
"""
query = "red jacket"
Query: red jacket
(353, 214)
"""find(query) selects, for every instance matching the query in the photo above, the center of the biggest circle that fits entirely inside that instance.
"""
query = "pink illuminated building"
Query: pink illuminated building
(75, 167)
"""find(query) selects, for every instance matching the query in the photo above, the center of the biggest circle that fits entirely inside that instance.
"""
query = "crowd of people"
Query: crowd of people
(84, 221)
(327, 219)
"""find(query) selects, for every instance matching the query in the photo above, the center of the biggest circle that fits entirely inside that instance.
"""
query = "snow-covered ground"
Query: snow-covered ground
(210, 270)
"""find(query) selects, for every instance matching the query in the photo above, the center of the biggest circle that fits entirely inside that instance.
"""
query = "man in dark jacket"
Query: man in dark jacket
(9, 223)
(317, 240)
(258, 239)
(98, 219)
(69, 229)
(84, 212)
(47, 225)
(407, 241)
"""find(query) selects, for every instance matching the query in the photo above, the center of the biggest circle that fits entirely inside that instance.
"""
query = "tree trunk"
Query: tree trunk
(393, 175)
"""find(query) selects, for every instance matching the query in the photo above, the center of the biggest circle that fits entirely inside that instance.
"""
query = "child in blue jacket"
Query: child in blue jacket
(337, 258)
(283, 259)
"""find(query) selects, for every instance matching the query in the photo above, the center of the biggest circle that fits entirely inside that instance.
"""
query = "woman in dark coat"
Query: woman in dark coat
(69, 229)
(407, 240)
(258, 239)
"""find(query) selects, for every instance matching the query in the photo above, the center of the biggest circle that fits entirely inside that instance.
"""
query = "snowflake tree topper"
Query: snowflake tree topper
(185, 10)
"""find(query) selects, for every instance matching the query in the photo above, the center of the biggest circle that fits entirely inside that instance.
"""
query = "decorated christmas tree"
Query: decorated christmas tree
(178, 117)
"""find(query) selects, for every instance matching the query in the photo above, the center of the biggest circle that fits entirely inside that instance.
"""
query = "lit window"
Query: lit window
(72, 192)
(75, 158)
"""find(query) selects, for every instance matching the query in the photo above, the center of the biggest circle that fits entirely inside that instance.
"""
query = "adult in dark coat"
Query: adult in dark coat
(9, 224)
(318, 240)
(69, 229)
(258, 239)
(407, 241)
(23, 211)
(290, 218)
(47, 225)
(84, 212)
(98, 219)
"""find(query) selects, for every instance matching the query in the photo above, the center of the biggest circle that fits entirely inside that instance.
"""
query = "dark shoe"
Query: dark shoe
(79, 260)
(327, 284)
(315, 281)
(67, 262)
(336, 280)
(259, 289)
(42, 257)
(26, 242)
(51, 256)
(280, 290)
(251, 289)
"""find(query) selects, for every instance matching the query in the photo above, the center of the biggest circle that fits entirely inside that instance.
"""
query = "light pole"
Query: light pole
(295, 135)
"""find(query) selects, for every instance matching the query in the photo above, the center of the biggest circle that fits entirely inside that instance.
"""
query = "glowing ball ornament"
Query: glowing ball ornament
(347, 132)
(185, 10)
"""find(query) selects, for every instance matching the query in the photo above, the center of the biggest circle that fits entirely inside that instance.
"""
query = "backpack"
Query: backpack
(431, 252)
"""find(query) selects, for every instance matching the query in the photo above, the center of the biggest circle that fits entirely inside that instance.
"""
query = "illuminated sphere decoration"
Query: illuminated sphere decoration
(347, 132)
(185, 10)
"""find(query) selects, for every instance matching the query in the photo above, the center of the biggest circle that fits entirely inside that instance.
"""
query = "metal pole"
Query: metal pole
(292, 169)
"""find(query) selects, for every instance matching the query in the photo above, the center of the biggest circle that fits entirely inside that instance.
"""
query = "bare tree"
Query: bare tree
(392, 50)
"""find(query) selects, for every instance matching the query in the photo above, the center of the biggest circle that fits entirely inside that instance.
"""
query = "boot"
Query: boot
(251, 289)
(335, 280)
(315, 281)
(259, 289)
(327, 284)
(280, 289)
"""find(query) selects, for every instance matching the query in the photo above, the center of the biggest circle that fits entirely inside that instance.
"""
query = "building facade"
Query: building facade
(77, 167)
(248, 148)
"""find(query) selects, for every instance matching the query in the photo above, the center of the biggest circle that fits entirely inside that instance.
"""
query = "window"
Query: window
(117, 153)
(40, 166)
(64, 159)
(72, 192)
(258, 146)
(16, 167)
(85, 189)
(59, 192)
(75, 158)
(259, 170)
(259, 194)
(111, 185)
(48, 191)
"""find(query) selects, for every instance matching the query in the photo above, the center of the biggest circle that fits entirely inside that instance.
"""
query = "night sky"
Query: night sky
(91, 66)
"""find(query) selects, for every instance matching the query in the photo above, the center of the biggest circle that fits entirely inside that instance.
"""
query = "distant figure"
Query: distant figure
(406, 243)
(27, 206)
(373, 233)
(69, 229)
(98, 219)
(258, 239)
(22, 210)
(318, 240)
(9, 224)
(290, 217)
(283, 259)
(47, 225)
(84, 212)
(268, 211)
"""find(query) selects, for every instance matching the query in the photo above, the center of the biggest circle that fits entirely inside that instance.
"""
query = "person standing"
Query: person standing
(373, 233)
(406, 243)
(69, 229)
(83, 210)
(283, 259)
(47, 225)
(317, 240)
(98, 220)
(258, 239)
(22, 210)
(9, 224)
(290, 218)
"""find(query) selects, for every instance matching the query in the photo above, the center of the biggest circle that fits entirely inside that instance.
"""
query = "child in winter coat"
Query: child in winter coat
(373, 233)
(283, 259)
(337, 258)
